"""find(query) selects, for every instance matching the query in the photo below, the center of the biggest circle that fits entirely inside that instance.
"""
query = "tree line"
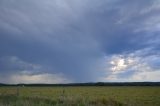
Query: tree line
(90, 84)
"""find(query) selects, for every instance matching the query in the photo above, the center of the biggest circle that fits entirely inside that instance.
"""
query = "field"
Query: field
(80, 96)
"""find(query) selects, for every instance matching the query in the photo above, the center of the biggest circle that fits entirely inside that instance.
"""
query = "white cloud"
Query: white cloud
(146, 76)
(137, 77)
(119, 63)
(35, 78)
(132, 67)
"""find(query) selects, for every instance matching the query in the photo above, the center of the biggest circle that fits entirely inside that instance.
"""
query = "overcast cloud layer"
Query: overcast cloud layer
(63, 41)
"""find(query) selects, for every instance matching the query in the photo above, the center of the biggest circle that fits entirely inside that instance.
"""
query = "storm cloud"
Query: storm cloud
(59, 41)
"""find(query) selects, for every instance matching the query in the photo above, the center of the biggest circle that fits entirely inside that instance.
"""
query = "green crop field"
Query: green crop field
(80, 96)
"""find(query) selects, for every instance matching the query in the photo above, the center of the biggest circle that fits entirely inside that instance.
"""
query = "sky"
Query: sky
(69, 41)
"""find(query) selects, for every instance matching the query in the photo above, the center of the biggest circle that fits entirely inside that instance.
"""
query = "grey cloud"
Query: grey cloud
(74, 37)
(17, 71)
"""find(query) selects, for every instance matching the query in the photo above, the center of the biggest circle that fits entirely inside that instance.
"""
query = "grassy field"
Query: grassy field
(80, 96)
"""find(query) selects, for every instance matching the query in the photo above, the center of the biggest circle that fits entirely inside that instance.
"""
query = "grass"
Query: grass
(80, 96)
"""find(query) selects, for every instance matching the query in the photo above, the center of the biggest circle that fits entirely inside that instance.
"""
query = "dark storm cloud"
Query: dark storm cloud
(75, 37)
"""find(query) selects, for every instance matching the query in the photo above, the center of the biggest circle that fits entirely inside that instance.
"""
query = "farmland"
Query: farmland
(80, 96)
